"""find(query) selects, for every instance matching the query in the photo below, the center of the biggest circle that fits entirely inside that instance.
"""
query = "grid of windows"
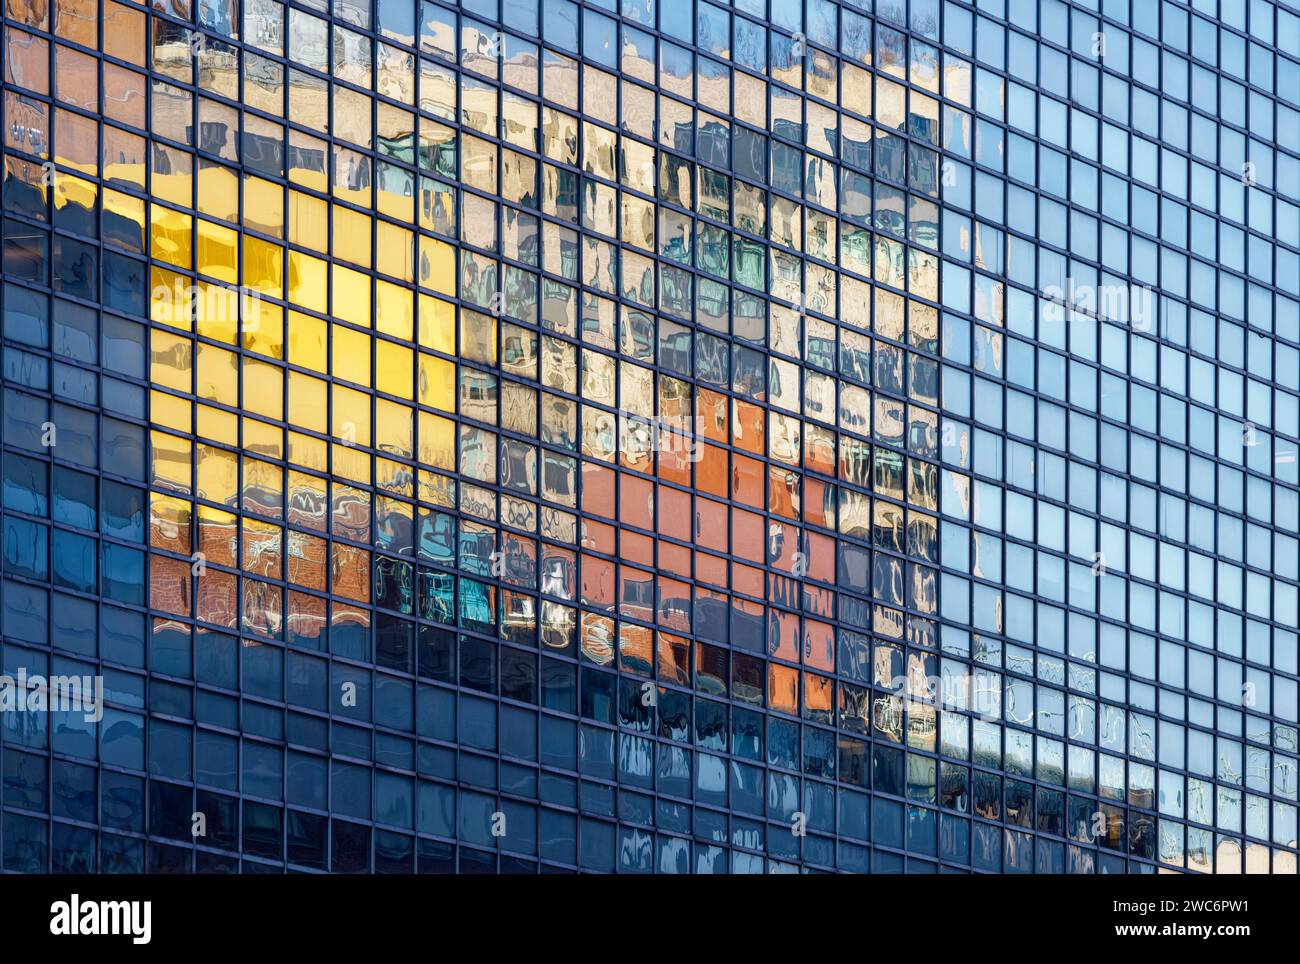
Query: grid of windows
(652, 436)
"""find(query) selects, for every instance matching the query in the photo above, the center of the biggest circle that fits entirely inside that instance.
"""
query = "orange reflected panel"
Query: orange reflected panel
(710, 525)
(674, 659)
(818, 645)
(263, 608)
(635, 648)
(817, 693)
(306, 620)
(636, 501)
(597, 582)
(169, 585)
(350, 572)
(783, 688)
(748, 535)
(598, 490)
(674, 515)
(674, 605)
(217, 599)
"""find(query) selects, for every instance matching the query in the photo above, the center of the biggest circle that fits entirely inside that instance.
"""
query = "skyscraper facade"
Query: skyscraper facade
(676, 436)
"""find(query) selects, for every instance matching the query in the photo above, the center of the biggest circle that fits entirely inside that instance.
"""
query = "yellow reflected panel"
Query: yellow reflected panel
(437, 325)
(218, 475)
(263, 267)
(218, 250)
(263, 389)
(393, 369)
(170, 412)
(351, 290)
(351, 235)
(437, 265)
(394, 310)
(437, 383)
(309, 282)
(263, 326)
(350, 353)
(263, 206)
(437, 441)
(171, 235)
(218, 194)
(351, 411)
(171, 461)
(217, 425)
(171, 359)
(308, 402)
(308, 221)
(217, 376)
(393, 246)
(307, 339)
(216, 311)
(393, 424)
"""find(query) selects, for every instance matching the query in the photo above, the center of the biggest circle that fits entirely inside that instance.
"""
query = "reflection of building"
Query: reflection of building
(657, 418)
